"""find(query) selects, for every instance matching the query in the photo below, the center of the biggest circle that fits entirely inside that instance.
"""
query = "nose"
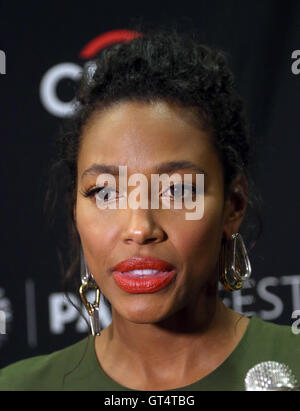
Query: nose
(141, 228)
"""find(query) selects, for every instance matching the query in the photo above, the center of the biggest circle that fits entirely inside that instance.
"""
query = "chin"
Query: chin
(141, 313)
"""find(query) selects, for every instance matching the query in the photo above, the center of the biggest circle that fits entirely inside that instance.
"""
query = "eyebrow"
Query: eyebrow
(161, 168)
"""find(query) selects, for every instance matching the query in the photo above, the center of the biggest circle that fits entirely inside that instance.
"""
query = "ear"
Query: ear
(235, 205)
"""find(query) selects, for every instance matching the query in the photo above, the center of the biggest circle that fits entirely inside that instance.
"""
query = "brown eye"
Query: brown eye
(105, 193)
(178, 190)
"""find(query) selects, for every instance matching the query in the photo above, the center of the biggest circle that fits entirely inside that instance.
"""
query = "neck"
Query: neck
(172, 346)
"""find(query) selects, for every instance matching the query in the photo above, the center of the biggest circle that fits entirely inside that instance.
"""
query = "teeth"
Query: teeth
(143, 272)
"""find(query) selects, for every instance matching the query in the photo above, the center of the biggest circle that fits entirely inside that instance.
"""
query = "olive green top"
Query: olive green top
(77, 368)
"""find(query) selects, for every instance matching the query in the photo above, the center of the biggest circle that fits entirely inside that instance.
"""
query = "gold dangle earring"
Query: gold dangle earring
(234, 263)
(88, 281)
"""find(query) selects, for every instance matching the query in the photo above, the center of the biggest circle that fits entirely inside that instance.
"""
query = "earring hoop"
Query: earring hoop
(234, 263)
(87, 282)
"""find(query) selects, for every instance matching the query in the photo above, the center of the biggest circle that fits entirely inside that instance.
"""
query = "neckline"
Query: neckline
(225, 364)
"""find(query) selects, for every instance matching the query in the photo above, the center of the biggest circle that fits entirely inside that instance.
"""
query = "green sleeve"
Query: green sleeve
(37, 373)
(45, 372)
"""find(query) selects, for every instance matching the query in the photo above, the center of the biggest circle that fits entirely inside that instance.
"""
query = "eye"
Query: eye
(103, 193)
(106, 194)
(179, 190)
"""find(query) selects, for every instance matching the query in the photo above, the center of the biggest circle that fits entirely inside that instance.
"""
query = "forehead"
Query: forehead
(137, 134)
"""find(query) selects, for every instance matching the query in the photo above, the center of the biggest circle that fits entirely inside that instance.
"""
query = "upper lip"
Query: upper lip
(141, 263)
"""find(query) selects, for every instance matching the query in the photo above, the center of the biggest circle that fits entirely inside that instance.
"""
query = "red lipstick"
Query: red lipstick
(143, 275)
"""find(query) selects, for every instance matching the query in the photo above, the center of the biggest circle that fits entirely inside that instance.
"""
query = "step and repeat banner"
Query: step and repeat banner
(43, 50)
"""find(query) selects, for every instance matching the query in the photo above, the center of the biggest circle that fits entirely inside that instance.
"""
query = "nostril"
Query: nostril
(150, 240)
(142, 241)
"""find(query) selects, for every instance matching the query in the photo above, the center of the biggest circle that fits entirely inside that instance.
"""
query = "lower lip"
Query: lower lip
(148, 284)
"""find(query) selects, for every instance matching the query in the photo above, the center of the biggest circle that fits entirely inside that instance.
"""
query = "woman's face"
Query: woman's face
(142, 136)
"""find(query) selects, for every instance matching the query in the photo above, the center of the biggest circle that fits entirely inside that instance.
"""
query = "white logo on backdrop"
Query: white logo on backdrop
(247, 301)
(62, 313)
(49, 86)
(2, 62)
(296, 64)
(6, 317)
(73, 72)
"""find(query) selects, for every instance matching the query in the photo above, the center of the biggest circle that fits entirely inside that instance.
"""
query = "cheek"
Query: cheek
(190, 241)
(98, 235)
(198, 242)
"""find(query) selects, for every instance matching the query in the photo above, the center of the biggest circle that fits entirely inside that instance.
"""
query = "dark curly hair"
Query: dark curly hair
(161, 64)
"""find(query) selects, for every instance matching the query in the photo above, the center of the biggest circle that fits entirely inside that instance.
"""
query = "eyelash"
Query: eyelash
(89, 193)
(93, 191)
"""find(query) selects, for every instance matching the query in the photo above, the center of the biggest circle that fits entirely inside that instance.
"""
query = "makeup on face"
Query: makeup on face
(143, 275)
(131, 144)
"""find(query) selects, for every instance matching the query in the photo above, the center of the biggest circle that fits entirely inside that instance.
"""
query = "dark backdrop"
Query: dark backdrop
(259, 36)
